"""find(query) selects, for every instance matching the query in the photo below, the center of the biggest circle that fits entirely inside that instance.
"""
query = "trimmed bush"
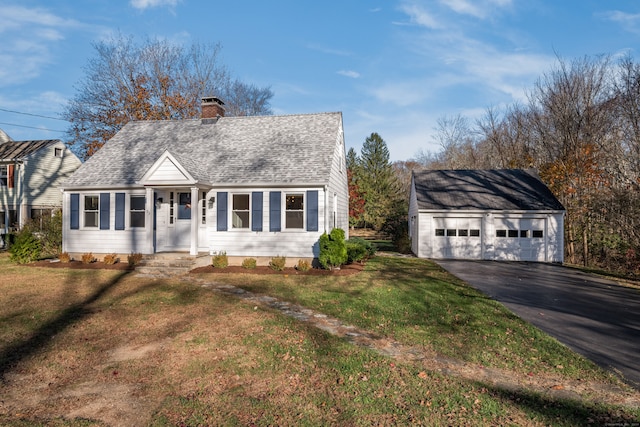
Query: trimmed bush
(333, 251)
(303, 265)
(25, 248)
(220, 260)
(134, 259)
(249, 263)
(277, 263)
(110, 259)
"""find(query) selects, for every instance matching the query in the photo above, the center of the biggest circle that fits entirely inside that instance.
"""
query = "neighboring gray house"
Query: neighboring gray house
(505, 214)
(30, 173)
(257, 186)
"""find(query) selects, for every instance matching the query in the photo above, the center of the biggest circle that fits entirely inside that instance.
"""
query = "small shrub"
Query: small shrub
(277, 263)
(25, 247)
(333, 251)
(110, 259)
(249, 263)
(220, 260)
(359, 250)
(88, 258)
(64, 257)
(134, 259)
(303, 265)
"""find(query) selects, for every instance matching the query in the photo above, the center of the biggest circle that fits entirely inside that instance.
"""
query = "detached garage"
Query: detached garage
(507, 214)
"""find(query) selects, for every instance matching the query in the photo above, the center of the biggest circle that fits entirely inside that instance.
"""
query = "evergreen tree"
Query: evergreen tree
(377, 181)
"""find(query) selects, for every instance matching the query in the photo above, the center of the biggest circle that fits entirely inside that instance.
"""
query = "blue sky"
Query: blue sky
(392, 67)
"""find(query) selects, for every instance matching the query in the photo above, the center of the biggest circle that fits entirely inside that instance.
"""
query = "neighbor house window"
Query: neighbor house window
(294, 211)
(240, 213)
(537, 234)
(3, 175)
(137, 211)
(91, 211)
(3, 222)
(57, 152)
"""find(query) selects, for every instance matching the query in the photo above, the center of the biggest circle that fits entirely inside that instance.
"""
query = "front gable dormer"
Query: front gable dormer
(167, 170)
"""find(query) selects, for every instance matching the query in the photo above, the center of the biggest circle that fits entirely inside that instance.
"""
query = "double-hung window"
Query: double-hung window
(137, 211)
(240, 212)
(91, 210)
(4, 175)
(294, 211)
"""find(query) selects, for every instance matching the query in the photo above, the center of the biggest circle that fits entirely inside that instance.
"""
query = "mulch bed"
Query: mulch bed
(79, 265)
(345, 270)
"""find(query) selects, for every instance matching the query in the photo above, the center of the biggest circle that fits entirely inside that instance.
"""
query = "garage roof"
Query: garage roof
(496, 189)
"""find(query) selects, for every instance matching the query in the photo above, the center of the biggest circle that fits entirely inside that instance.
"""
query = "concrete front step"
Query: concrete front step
(167, 264)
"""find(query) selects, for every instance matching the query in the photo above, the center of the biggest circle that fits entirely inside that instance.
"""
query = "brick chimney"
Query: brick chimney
(212, 108)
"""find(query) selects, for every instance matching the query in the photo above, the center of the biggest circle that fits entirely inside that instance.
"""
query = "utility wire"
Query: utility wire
(30, 114)
(31, 127)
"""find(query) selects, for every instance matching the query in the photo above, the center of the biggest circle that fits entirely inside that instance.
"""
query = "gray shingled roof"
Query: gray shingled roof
(295, 149)
(503, 189)
(15, 150)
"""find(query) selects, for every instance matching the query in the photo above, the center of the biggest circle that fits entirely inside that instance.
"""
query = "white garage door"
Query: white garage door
(457, 238)
(520, 239)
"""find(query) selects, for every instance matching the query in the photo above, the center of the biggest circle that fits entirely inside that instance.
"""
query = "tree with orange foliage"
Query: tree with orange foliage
(155, 80)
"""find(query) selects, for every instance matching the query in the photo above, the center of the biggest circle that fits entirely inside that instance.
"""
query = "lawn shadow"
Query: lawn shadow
(21, 350)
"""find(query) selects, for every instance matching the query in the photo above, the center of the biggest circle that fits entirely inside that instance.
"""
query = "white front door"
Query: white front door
(182, 231)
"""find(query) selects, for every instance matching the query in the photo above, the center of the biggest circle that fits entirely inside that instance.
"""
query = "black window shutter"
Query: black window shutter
(104, 210)
(75, 211)
(222, 210)
(120, 211)
(274, 211)
(312, 210)
(256, 211)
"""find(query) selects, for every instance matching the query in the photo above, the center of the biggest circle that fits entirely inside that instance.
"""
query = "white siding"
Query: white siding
(265, 243)
(338, 186)
(43, 173)
(168, 171)
(92, 239)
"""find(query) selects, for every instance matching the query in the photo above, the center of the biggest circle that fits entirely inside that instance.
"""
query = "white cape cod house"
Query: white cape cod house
(507, 215)
(259, 186)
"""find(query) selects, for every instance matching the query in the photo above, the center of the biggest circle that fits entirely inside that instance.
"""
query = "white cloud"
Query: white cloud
(27, 36)
(629, 21)
(419, 15)
(146, 4)
(349, 73)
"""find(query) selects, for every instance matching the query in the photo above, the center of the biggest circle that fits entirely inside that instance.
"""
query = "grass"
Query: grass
(104, 347)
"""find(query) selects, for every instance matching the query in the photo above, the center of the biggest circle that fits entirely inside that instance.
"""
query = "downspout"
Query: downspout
(326, 204)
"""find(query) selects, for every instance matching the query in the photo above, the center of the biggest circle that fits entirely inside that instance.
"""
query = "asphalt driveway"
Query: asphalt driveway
(595, 317)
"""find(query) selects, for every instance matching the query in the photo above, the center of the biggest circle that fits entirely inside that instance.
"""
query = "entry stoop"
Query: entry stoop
(166, 264)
